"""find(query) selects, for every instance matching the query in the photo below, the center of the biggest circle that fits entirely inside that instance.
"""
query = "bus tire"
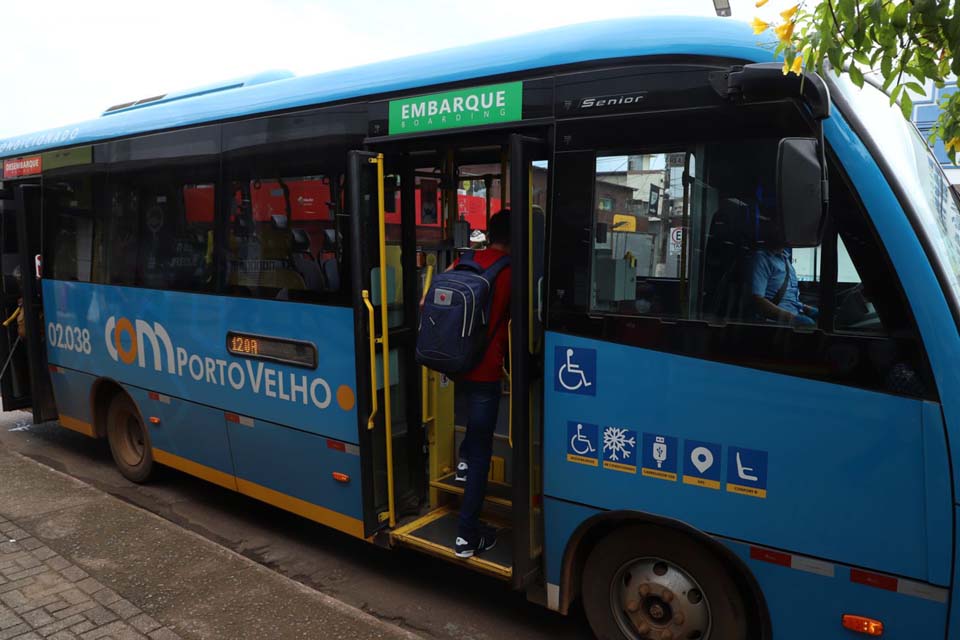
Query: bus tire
(129, 439)
(645, 582)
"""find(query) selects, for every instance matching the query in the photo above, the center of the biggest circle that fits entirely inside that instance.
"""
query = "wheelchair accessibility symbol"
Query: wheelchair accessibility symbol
(582, 443)
(576, 370)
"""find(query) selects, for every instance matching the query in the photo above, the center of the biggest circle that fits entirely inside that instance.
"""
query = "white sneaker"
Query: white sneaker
(461, 474)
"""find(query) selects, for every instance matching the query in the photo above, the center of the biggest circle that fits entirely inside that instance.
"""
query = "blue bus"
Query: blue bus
(226, 280)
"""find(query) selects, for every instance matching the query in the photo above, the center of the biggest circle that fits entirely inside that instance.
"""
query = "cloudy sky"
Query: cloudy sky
(66, 61)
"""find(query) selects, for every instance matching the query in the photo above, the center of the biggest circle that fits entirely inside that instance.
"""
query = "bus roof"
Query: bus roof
(606, 40)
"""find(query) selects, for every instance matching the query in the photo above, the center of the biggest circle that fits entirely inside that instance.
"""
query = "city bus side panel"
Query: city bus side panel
(780, 466)
(187, 436)
(954, 630)
(907, 609)
(175, 343)
(71, 392)
(282, 433)
(931, 311)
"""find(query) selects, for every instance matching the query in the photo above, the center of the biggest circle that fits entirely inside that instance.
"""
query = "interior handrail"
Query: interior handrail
(385, 337)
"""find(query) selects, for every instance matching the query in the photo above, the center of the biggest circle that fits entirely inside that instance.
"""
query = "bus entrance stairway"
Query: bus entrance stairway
(435, 533)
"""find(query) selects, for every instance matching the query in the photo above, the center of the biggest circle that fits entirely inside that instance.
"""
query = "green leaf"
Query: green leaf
(899, 18)
(875, 11)
(862, 58)
(895, 93)
(917, 88)
(906, 105)
(856, 76)
(886, 68)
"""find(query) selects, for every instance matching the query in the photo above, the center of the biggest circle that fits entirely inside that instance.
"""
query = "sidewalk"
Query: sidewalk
(76, 563)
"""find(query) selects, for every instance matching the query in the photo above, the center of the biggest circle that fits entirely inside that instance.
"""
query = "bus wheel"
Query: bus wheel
(647, 583)
(129, 440)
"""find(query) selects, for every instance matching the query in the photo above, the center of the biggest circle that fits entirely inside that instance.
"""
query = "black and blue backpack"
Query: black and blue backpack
(456, 315)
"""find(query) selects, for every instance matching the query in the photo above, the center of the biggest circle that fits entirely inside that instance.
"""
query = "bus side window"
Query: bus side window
(283, 237)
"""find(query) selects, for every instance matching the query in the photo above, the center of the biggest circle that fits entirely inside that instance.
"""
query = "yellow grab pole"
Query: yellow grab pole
(385, 336)
(373, 359)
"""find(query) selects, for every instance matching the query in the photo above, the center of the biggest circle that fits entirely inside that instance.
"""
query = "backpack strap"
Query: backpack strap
(494, 269)
(467, 261)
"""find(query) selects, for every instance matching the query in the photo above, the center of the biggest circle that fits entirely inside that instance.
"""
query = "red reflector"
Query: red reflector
(862, 624)
(154, 395)
(232, 417)
(768, 555)
(334, 444)
(53, 368)
(537, 500)
(154, 420)
(341, 477)
(873, 579)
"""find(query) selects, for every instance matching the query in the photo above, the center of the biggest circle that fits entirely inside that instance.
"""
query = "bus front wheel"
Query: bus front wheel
(129, 440)
(649, 583)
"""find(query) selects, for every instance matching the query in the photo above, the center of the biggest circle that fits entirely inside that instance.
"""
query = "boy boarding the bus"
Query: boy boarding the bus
(463, 333)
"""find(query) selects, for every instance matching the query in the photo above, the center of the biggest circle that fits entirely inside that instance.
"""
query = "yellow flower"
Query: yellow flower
(953, 144)
(784, 32)
(786, 15)
(786, 68)
(760, 3)
(759, 26)
(797, 67)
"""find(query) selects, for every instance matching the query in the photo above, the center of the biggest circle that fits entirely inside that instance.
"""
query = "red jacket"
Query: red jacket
(490, 367)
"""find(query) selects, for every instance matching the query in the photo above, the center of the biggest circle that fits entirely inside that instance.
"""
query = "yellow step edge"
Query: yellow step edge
(441, 486)
(77, 425)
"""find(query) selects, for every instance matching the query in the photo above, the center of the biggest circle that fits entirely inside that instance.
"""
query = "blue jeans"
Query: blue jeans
(483, 404)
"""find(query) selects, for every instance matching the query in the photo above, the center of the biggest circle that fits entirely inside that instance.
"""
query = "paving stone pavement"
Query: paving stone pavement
(43, 595)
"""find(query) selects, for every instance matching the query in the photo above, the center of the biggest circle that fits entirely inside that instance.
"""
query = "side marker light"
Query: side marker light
(341, 477)
(863, 624)
(154, 420)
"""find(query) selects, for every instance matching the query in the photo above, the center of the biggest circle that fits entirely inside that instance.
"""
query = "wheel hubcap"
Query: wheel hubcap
(653, 599)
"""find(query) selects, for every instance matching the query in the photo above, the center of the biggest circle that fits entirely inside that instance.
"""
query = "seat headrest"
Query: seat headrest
(301, 240)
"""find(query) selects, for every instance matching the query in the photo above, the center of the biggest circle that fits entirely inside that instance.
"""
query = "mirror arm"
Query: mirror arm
(765, 81)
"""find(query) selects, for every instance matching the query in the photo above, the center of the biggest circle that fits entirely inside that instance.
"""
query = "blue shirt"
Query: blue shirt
(767, 271)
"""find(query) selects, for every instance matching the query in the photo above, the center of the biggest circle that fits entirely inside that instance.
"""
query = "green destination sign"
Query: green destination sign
(462, 108)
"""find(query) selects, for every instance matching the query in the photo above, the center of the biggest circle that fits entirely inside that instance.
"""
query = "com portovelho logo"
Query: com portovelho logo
(149, 346)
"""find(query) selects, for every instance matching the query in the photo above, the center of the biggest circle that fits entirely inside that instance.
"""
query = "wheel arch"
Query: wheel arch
(594, 529)
(102, 393)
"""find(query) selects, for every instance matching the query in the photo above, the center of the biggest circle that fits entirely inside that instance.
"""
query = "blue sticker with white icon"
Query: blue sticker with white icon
(747, 472)
(582, 445)
(701, 464)
(619, 449)
(659, 456)
(575, 370)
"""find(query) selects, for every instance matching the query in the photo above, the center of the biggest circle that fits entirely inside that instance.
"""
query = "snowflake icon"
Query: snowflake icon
(620, 443)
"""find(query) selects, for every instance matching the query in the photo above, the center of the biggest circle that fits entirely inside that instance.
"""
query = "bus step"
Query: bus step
(498, 493)
(435, 533)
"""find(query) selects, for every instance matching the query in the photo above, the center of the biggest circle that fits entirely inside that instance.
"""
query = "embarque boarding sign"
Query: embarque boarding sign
(460, 108)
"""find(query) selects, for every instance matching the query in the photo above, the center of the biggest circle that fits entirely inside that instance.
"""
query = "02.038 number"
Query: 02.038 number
(69, 338)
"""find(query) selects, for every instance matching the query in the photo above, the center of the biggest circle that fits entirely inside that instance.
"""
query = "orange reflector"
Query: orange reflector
(154, 420)
(341, 477)
(862, 624)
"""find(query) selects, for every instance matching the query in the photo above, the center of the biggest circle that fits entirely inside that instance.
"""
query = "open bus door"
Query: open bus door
(385, 306)
(529, 181)
(24, 378)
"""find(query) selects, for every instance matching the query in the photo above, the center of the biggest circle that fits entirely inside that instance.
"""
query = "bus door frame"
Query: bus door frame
(526, 359)
(365, 209)
(28, 207)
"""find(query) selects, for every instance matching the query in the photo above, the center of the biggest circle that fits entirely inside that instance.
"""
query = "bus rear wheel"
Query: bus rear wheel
(648, 583)
(129, 440)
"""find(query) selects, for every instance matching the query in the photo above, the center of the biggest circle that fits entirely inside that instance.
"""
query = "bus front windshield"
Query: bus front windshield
(917, 171)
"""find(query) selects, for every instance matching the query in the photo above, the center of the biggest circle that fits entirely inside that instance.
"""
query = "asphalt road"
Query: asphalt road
(431, 597)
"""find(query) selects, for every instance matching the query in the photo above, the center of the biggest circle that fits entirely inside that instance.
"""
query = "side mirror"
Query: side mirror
(800, 197)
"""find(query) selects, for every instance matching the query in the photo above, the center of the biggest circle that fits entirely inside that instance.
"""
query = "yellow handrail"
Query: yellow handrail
(385, 337)
(373, 359)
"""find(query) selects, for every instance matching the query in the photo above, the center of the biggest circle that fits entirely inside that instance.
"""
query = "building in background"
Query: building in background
(925, 114)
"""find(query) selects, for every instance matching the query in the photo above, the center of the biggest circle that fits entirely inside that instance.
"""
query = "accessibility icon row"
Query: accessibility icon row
(619, 448)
